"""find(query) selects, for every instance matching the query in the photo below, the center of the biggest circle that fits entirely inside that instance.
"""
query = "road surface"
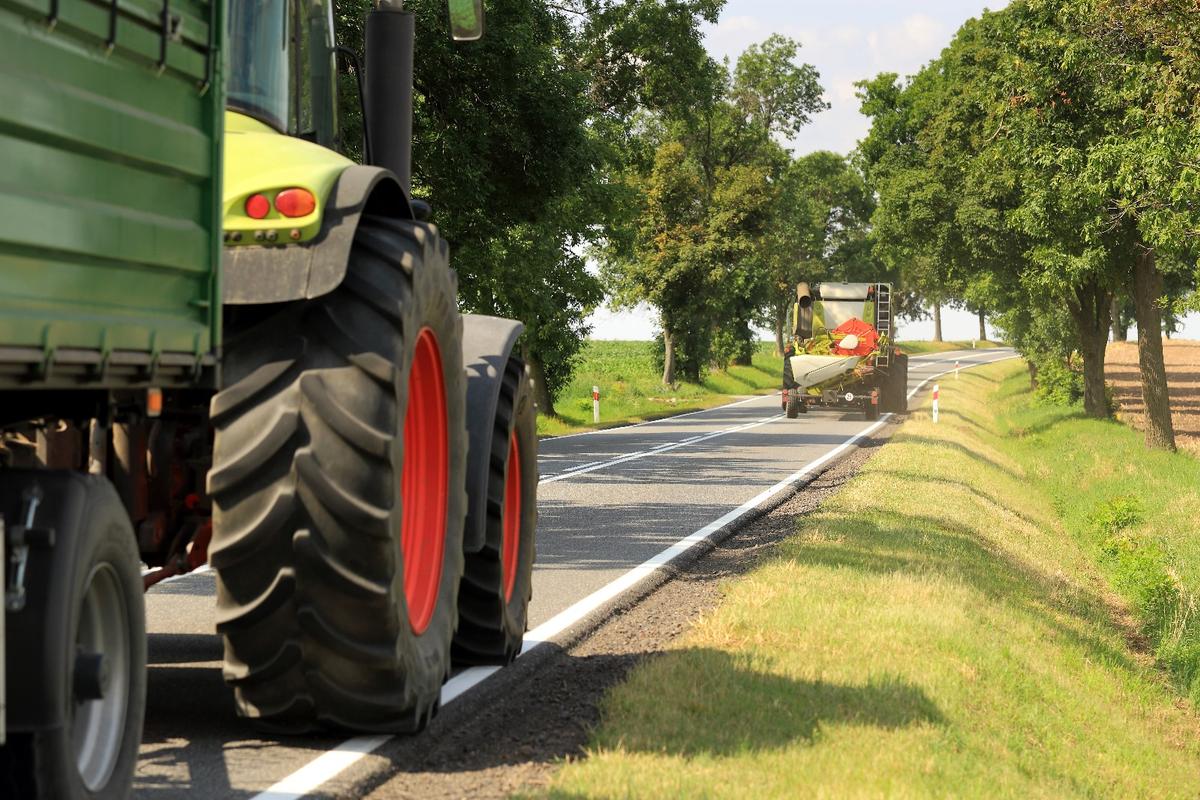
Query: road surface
(609, 501)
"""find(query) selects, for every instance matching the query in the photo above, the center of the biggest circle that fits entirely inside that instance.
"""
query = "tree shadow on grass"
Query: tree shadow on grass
(923, 545)
(994, 501)
(730, 707)
(944, 444)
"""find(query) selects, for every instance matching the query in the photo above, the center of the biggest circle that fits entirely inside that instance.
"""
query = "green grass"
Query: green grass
(918, 348)
(631, 387)
(945, 626)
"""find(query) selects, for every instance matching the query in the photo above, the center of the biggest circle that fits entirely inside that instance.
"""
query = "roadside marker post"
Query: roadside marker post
(935, 402)
(955, 370)
(596, 404)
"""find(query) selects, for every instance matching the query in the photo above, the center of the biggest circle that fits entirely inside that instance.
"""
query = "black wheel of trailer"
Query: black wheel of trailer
(90, 637)
(493, 598)
(337, 482)
(795, 405)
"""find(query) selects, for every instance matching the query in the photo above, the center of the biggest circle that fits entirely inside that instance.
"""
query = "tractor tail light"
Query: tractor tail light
(257, 206)
(295, 203)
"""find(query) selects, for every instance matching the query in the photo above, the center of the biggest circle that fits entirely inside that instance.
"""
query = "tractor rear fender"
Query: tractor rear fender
(278, 274)
(487, 344)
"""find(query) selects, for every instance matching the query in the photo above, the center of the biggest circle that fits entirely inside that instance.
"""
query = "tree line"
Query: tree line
(593, 149)
(1046, 168)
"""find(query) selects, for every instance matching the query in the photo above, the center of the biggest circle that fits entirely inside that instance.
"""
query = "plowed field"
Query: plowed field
(1183, 378)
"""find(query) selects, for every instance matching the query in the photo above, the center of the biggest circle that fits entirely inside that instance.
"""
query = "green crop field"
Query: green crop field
(975, 614)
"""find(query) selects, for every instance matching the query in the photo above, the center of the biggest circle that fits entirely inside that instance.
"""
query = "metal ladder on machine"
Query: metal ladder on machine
(883, 322)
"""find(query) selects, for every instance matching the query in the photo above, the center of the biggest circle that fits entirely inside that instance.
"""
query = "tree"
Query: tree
(818, 231)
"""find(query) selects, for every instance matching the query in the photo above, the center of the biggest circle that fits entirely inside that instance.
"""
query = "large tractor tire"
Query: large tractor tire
(337, 485)
(82, 641)
(493, 599)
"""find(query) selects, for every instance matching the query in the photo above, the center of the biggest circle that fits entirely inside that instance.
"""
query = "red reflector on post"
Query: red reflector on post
(295, 202)
(258, 206)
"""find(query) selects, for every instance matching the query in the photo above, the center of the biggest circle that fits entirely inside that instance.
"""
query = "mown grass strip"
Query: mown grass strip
(934, 630)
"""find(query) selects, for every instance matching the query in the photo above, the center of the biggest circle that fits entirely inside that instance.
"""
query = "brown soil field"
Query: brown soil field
(1183, 380)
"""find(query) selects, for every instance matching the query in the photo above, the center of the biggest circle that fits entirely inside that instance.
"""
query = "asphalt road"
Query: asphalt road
(608, 502)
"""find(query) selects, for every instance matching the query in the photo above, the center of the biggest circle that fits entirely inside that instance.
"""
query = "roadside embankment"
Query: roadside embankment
(976, 613)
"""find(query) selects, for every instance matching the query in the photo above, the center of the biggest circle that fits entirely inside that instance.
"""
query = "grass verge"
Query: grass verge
(631, 387)
(919, 348)
(945, 626)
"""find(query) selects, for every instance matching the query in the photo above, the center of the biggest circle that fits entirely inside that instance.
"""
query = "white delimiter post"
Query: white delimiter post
(935, 402)
(596, 404)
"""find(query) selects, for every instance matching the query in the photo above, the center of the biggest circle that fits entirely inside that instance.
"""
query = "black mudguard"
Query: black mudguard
(487, 344)
(251, 275)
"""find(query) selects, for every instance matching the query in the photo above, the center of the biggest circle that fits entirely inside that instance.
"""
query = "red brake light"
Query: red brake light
(295, 202)
(258, 206)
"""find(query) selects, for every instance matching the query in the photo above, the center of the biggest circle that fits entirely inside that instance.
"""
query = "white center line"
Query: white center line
(663, 448)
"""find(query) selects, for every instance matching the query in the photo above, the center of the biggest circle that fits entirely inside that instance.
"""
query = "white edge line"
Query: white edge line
(329, 764)
(333, 762)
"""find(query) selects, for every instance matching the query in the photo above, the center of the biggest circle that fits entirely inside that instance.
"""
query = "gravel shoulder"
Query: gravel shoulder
(519, 726)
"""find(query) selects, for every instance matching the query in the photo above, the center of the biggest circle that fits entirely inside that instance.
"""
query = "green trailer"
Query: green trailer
(224, 343)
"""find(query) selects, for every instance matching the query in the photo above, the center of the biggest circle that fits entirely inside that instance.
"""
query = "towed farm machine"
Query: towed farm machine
(841, 354)
(222, 342)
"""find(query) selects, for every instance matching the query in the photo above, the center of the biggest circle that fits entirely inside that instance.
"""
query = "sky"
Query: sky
(847, 41)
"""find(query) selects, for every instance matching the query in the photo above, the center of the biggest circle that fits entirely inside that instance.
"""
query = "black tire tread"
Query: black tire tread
(310, 594)
(484, 636)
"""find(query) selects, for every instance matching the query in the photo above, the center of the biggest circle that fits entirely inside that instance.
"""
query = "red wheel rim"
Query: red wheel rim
(424, 482)
(512, 517)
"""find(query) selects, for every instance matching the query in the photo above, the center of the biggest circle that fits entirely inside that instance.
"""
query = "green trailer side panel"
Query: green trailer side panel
(110, 189)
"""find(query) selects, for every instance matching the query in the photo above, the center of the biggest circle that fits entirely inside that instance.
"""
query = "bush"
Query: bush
(1058, 384)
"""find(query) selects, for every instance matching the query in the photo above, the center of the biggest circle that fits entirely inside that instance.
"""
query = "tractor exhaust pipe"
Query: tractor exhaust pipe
(390, 41)
(803, 312)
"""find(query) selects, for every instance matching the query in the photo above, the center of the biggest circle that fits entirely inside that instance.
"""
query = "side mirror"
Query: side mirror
(466, 20)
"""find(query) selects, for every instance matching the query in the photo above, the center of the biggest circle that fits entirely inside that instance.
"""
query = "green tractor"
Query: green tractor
(223, 342)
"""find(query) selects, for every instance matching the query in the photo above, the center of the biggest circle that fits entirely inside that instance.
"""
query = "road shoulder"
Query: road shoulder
(518, 727)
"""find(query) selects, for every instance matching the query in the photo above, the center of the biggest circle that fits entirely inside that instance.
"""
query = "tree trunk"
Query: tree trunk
(937, 322)
(668, 376)
(1119, 334)
(780, 321)
(1033, 373)
(1147, 289)
(982, 325)
(541, 390)
(1090, 308)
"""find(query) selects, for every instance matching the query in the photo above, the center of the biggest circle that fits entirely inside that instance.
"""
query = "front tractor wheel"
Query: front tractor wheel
(337, 483)
(493, 601)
